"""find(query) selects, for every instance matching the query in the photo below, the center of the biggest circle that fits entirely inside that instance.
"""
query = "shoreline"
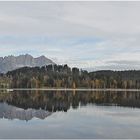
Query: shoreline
(65, 89)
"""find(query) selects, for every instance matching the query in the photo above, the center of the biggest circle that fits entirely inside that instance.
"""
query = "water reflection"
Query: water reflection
(25, 105)
(11, 112)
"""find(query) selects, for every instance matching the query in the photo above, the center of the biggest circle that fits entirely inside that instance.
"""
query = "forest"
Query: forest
(62, 76)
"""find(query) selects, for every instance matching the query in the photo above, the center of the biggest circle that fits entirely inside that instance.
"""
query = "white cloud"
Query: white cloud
(83, 34)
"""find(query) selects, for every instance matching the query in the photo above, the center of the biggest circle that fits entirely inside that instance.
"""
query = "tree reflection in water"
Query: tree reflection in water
(52, 101)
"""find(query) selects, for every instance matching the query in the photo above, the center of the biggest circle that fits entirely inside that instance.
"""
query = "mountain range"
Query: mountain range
(9, 63)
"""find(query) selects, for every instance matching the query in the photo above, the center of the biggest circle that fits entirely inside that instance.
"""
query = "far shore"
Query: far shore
(68, 89)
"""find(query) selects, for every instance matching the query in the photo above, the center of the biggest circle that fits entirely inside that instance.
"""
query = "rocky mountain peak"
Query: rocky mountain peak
(11, 62)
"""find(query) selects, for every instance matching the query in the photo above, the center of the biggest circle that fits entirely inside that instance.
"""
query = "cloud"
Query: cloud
(92, 35)
(71, 18)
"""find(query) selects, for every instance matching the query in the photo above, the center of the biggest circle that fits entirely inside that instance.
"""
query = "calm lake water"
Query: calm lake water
(69, 114)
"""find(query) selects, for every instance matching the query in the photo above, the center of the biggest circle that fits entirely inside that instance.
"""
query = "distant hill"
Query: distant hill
(11, 62)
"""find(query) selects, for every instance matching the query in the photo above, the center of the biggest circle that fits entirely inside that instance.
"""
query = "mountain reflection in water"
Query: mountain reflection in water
(25, 105)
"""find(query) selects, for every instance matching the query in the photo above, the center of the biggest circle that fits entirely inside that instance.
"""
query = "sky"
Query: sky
(90, 35)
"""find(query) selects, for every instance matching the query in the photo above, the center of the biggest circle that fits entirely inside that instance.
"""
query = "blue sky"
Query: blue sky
(91, 35)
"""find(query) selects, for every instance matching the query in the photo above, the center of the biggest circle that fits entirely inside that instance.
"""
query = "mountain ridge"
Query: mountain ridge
(11, 62)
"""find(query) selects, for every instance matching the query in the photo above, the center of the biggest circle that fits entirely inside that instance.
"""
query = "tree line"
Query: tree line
(62, 76)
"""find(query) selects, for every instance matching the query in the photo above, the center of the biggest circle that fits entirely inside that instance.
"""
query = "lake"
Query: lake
(69, 114)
